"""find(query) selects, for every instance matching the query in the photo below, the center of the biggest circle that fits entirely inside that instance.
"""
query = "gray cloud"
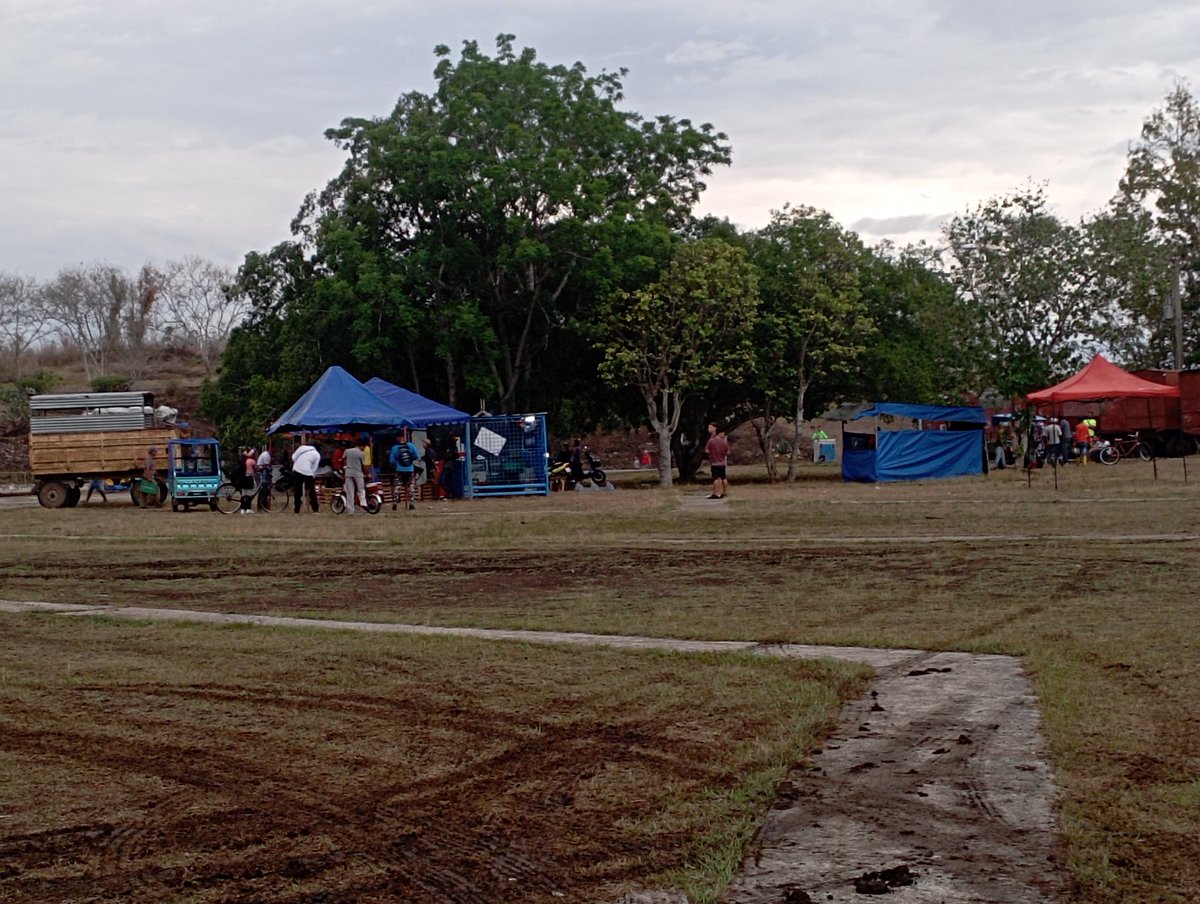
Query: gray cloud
(133, 130)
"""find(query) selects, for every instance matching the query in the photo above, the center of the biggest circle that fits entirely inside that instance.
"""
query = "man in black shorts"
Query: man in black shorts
(717, 450)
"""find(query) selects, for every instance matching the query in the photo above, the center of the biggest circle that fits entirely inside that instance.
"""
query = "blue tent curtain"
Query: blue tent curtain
(858, 464)
(928, 454)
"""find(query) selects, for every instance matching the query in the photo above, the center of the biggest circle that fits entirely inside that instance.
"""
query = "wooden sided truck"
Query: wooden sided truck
(75, 438)
(1171, 426)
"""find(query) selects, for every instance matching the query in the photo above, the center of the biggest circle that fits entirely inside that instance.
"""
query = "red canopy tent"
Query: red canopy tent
(1102, 379)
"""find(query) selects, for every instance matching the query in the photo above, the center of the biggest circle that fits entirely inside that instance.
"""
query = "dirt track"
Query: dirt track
(938, 777)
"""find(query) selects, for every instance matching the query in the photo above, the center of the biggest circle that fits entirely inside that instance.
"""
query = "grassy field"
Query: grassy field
(1092, 584)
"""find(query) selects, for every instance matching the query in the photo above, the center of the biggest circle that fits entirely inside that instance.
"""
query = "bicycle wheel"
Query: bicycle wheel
(337, 504)
(1144, 452)
(1109, 455)
(274, 499)
(228, 498)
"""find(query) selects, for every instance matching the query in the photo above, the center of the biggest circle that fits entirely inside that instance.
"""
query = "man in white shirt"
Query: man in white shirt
(262, 468)
(305, 461)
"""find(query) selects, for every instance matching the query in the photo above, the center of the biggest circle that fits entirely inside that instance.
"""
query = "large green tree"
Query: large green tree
(682, 333)
(1032, 286)
(1134, 266)
(922, 347)
(472, 230)
(1162, 176)
(813, 324)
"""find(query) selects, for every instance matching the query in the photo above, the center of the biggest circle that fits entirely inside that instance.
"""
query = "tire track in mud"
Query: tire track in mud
(939, 773)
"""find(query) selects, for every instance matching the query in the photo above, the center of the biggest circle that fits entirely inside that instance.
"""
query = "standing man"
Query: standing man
(1083, 441)
(356, 482)
(263, 468)
(1053, 440)
(370, 469)
(403, 456)
(305, 461)
(249, 481)
(717, 450)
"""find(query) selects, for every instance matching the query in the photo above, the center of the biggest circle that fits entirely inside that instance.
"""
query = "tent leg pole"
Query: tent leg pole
(1054, 465)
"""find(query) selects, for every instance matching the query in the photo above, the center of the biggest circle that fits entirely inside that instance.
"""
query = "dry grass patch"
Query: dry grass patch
(189, 763)
(1093, 585)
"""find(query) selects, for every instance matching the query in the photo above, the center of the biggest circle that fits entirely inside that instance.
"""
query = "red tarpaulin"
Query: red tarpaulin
(1102, 379)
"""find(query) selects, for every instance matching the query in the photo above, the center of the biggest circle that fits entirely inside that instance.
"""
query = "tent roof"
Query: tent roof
(418, 410)
(338, 401)
(1102, 379)
(965, 414)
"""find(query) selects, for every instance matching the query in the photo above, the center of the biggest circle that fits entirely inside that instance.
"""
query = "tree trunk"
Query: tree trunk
(663, 409)
(797, 427)
(762, 429)
(664, 455)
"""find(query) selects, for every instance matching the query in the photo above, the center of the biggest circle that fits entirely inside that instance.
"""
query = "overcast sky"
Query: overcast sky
(134, 131)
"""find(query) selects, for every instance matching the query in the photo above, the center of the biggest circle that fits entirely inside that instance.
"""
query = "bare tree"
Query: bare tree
(139, 299)
(86, 306)
(199, 308)
(22, 319)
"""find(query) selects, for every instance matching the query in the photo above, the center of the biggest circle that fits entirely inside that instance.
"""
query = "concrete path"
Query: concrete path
(934, 787)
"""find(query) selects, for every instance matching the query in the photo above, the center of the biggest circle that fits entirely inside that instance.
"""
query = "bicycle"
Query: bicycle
(230, 497)
(1125, 447)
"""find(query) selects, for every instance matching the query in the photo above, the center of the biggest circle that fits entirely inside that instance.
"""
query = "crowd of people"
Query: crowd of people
(351, 464)
(1050, 440)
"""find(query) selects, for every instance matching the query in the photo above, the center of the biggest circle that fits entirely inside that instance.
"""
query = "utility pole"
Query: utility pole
(1177, 312)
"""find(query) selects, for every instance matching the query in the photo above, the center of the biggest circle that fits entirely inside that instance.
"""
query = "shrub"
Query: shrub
(110, 383)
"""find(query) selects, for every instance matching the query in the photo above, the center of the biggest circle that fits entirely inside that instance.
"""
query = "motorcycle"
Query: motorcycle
(565, 474)
(374, 493)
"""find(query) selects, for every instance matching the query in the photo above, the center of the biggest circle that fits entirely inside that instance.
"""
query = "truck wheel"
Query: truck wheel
(135, 494)
(52, 494)
(73, 496)
(1181, 444)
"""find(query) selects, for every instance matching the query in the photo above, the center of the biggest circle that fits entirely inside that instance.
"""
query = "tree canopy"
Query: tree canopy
(472, 228)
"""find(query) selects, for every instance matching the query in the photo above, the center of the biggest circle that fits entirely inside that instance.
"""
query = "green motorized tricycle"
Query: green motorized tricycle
(193, 472)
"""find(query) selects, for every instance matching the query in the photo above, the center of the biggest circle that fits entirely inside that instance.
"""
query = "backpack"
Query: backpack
(404, 455)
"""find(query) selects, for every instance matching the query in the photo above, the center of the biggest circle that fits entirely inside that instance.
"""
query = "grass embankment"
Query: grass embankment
(1093, 585)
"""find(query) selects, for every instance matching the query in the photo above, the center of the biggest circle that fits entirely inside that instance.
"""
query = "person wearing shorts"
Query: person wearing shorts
(717, 450)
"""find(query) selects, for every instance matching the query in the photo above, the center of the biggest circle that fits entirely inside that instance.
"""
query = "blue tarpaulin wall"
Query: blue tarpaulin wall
(916, 455)
(893, 455)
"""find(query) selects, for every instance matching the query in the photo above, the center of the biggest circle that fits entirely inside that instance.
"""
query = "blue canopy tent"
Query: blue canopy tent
(418, 410)
(337, 401)
(893, 455)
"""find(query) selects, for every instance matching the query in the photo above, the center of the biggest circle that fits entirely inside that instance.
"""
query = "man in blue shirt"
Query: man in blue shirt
(403, 456)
